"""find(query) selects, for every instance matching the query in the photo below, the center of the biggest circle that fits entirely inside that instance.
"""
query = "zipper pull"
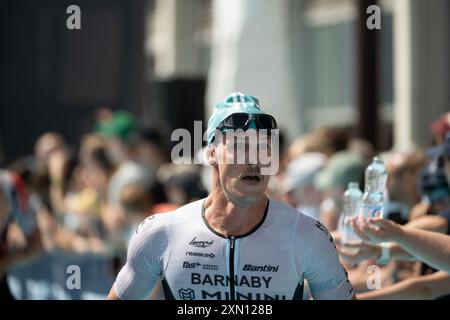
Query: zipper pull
(232, 242)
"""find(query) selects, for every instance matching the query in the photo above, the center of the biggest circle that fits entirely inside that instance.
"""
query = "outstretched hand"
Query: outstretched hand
(356, 252)
(376, 230)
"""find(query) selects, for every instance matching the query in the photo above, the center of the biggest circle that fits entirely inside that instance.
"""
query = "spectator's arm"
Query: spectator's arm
(33, 249)
(356, 252)
(360, 275)
(373, 251)
(398, 253)
(11, 259)
(422, 287)
(430, 247)
(430, 223)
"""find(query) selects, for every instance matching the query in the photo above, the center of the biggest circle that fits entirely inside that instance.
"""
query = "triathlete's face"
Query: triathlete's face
(240, 160)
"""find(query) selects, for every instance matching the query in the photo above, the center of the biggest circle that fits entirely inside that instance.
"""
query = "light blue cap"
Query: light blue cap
(236, 102)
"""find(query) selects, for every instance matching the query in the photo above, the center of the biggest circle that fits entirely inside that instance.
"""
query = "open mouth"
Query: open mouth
(251, 178)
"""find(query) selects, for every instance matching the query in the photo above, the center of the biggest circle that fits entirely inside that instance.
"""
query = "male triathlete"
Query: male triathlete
(235, 244)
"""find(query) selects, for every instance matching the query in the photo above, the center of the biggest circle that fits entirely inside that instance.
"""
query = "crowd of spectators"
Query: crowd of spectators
(86, 200)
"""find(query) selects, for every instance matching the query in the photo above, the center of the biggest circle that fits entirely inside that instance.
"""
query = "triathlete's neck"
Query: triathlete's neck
(233, 218)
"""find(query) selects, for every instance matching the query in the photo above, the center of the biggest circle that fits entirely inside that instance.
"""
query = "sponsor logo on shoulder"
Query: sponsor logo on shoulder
(144, 222)
(200, 254)
(201, 244)
(264, 268)
(190, 265)
(324, 230)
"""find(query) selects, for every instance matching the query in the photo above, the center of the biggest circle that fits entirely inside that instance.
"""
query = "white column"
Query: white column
(402, 74)
(172, 39)
(161, 41)
(421, 59)
(250, 53)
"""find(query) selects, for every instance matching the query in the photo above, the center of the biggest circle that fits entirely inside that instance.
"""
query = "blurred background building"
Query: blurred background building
(308, 61)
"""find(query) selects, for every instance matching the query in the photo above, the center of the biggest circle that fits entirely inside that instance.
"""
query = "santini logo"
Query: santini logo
(264, 268)
(189, 265)
(201, 244)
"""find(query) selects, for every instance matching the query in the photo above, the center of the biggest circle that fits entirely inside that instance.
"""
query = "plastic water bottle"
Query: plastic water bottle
(352, 202)
(373, 198)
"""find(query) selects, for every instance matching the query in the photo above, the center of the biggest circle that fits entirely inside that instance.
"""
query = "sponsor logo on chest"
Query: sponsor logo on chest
(201, 244)
(256, 268)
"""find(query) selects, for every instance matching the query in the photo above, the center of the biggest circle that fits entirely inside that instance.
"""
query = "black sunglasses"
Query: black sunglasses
(242, 121)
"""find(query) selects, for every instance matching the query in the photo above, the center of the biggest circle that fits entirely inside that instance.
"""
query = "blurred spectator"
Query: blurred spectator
(129, 170)
(342, 168)
(45, 144)
(137, 204)
(442, 153)
(61, 167)
(153, 147)
(89, 143)
(164, 207)
(205, 169)
(182, 183)
(326, 140)
(435, 188)
(446, 158)
(117, 129)
(362, 147)
(20, 238)
(152, 151)
(184, 188)
(298, 185)
(440, 127)
(403, 194)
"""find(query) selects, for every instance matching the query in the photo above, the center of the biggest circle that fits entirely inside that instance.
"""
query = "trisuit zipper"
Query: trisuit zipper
(232, 289)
